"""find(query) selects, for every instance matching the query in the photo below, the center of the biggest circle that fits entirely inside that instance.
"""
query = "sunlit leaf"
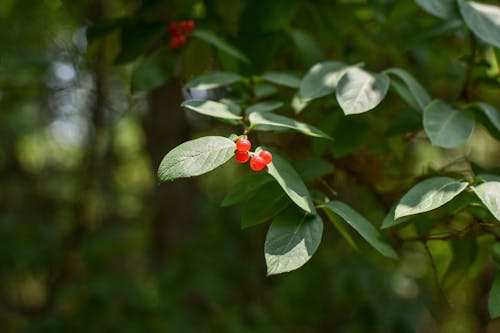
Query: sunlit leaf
(428, 195)
(441, 8)
(483, 20)
(321, 80)
(420, 95)
(489, 193)
(195, 157)
(277, 121)
(359, 91)
(213, 109)
(291, 183)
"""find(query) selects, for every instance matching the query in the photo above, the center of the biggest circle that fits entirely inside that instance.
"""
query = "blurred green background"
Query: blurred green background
(89, 243)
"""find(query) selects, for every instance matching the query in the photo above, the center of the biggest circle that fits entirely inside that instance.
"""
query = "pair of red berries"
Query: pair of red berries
(177, 30)
(258, 161)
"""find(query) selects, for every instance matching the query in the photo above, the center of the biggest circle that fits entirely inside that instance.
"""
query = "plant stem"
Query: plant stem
(465, 93)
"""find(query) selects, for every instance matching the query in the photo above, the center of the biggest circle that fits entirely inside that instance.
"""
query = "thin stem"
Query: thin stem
(436, 276)
(464, 93)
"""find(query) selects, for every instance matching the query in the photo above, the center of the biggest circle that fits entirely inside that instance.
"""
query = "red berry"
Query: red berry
(266, 156)
(174, 42)
(241, 156)
(181, 39)
(243, 145)
(257, 163)
(183, 25)
(189, 25)
(174, 29)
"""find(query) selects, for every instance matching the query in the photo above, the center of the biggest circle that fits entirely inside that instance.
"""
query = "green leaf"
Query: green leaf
(418, 92)
(264, 107)
(406, 95)
(267, 202)
(213, 80)
(263, 90)
(291, 183)
(220, 44)
(363, 227)
(282, 79)
(246, 188)
(153, 71)
(321, 80)
(492, 115)
(494, 297)
(359, 91)
(488, 177)
(489, 193)
(445, 9)
(195, 157)
(292, 239)
(428, 195)
(310, 50)
(214, 109)
(445, 126)
(274, 120)
(136, 38)
(313, 168)
(390, 219)
(483, 20)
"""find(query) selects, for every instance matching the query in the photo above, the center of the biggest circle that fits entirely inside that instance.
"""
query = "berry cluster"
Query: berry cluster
(177, 32)
(258, 161)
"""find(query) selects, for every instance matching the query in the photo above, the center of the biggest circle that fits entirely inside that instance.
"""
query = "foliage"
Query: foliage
(384, 134)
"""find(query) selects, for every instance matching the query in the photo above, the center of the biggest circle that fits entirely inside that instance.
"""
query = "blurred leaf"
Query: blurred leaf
(363, 227)
(428, 195)
(153, 71)
(488, 177)
(246, 188)
(310, 50)
(220, 44)
(350, 134)
(214, 109)
(136, 38)
(264, 107)
(483, 20)
(419, 94)
(404, 122)
(195, 157)
(494, 297)
(491, 115)
(406, 95)
(445, 126)
(359, 91)
(262, 90)
(464, 252)
(291, 183)
(282, 79)
(313, 168)
(292, 239)
(321, 80)
(489, 193)
(213, 80)
(274, 120)
(104, 28)
(267, 202)
(444, 9)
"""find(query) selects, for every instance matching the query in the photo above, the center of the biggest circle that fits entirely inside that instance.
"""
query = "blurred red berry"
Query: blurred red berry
(181, 39)
(267, 156)
(241, 156)
(189, 25)
(174, 29)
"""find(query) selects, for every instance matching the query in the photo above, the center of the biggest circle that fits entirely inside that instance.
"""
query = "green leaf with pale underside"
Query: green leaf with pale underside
(213, 80)
(213, 109)
(274, 120)
(292, 239)
(482, 19)
(363, 227)
(195, 157)
(321, 80)
(427, 195)
(359, 91)
(489, 193)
